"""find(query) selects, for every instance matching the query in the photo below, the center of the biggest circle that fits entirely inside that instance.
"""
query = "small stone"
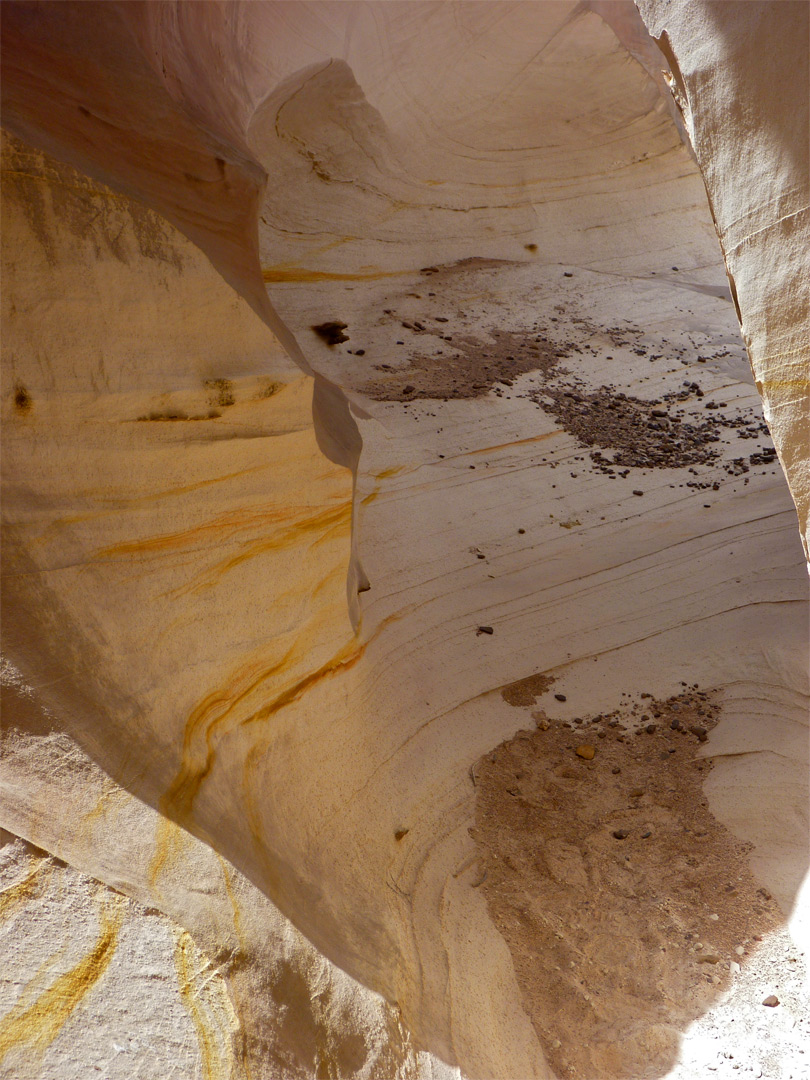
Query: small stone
(560, 697)
(485, 630)
(650, 728)
(734, 968)
(585, 751)
(621, 834)
(636, 792)
(708, 958)
(646, 835)
(615, 770)
(675, 724)
(701, 732)
(521, 531)
(637, 492)
(408, 389)
(714, 918)
(771, 1001)
(740, 951)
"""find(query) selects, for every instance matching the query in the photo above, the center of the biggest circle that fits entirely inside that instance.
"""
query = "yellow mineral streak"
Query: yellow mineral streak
(277, 275)
(206, 999)
(241, 1001)
(29, 888)
(37, 1025)
(112, 797)
(169, 841)
(509, 445)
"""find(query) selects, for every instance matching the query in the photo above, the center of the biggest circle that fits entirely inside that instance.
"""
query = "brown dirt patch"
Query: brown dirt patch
(526, 691)
(472, 369)
(604, 873)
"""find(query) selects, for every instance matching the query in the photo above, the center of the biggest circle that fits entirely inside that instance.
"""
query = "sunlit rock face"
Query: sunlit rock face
(752, 143)
(311, 632)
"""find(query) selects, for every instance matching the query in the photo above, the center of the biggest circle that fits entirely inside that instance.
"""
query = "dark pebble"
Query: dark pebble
(637, 492)
(701, 732)
(650, 728)
(560, 697)
(621, 834)
(485, 630)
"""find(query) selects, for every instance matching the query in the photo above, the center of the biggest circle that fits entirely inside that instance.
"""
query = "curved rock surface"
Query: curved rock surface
(521, 424)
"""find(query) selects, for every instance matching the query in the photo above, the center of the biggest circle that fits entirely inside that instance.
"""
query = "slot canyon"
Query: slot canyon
(406, 476)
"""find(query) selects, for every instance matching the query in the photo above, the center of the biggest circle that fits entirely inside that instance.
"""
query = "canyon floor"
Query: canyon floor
(625, 500)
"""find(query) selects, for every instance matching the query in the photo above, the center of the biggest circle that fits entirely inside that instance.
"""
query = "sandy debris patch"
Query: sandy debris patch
(661, 433)
(640, 434)
(527, 691)
(471, 369)
(621, 898)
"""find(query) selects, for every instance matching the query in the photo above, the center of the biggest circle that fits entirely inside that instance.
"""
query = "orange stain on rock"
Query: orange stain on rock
(324, 524)
(228, 524)
(518, 442)
(238, 703)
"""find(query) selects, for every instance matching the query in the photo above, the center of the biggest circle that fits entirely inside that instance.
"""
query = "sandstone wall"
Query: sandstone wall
(537, 454)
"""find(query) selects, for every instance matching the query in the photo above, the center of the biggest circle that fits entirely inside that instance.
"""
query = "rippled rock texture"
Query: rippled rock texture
(378, 435)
